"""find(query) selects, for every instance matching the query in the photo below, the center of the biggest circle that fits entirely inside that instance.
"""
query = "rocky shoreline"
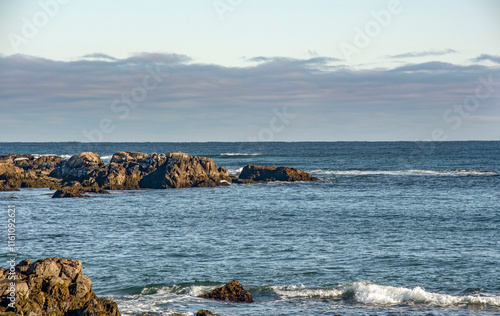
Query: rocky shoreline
(57, 287)
(87, 173)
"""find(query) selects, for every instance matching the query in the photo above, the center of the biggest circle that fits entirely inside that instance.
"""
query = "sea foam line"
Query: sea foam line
(241, 154)
(414, 172)
(375, 294)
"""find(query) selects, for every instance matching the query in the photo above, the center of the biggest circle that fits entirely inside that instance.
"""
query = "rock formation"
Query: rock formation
(232, 292)
(26, 171)
(252, 173)
(128, 171)
(52, 286)
(181, 170)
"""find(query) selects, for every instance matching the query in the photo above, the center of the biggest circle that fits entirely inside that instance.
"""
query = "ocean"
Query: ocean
(391, 228)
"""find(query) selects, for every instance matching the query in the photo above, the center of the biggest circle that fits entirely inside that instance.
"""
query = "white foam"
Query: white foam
(375, 294)
(413, 172)
(241, 154)
(294, 291)
(106, 159)
(235, 172)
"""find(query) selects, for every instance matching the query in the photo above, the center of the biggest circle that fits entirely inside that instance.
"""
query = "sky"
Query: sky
(239, 70)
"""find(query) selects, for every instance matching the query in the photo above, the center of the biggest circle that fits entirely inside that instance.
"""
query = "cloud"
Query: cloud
(483, 57)
(424, 54)
(76, 95)
(284, 60)
(99, 56)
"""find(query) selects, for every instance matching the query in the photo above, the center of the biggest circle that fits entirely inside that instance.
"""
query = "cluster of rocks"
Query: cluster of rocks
(86, 172)
(51, 286)
(28, 171)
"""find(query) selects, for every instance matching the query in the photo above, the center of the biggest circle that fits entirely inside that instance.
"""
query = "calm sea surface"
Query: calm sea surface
(396, 228)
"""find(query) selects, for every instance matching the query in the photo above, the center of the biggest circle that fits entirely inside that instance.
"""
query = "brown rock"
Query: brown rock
(232, 292)
(181, 170)
(75, 189)
(85, 160)
(267, 174)
(55, 287)
(122, 157)
(203, 312)
(77, 167)
(12, 176)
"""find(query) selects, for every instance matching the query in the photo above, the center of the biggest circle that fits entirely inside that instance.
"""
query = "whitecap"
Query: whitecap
(241, 154)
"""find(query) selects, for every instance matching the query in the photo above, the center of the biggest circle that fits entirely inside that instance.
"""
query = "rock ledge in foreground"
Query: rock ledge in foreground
(52, 286)
(232, 292)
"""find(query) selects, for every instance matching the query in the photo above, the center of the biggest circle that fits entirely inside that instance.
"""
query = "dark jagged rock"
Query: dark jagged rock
(232, 292)
(126, 170)
(75, 189)
(181, 170)
(52, 286)
(77, 167)
(204, 312)
(252, 173)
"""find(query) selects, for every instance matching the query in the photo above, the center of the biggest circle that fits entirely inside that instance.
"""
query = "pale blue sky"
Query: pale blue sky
(237, 65)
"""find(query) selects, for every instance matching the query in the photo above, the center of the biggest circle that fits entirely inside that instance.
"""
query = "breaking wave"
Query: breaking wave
(415, 172)
(364, 293)
(241, 154)
(375, 294)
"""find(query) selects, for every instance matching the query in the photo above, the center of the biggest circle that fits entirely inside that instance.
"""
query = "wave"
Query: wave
(235, 172)
(415, 172)
(375, 294)
(241, 154)
(106, 159)
(361, 292)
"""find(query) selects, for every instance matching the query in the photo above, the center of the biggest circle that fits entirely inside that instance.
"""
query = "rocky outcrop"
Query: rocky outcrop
(33, 175)
(129, 171)
(75, 189)
(252, 173)
(232, 292)
(181, 170)
(126, 170)
(32, 161)
(52, 286)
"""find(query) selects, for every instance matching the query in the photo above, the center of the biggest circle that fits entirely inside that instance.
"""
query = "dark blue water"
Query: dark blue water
(391, 229)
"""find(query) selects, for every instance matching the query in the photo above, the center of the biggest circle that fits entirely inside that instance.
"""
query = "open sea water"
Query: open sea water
(392, 228)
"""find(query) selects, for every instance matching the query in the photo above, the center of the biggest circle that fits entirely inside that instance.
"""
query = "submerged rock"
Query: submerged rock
(75, 189)
(232, 292)
(52, 286)
(252, 173)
